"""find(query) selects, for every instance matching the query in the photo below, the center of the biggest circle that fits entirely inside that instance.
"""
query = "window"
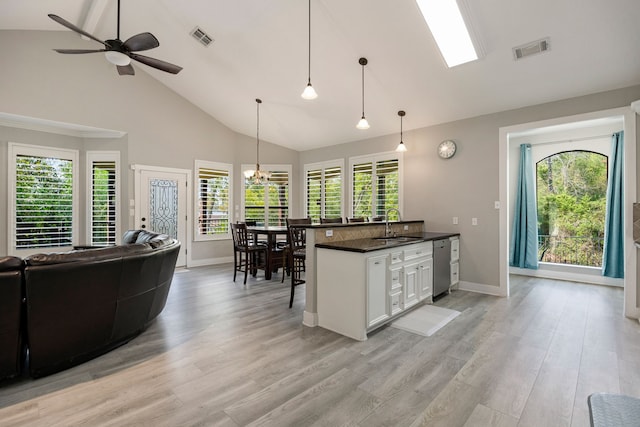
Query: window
(214, 200)
(571, 192)
(104, 185)
(323, 190)
(268, 203)
(42, 198)
(375, 185)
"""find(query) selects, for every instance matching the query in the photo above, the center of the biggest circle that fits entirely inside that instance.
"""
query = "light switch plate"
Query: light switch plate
(455, 220)
(496, 205)
(474, 221)
(406, 228)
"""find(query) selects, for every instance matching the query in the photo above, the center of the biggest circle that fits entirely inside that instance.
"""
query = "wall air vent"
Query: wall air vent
(204, 38)
(532, 48)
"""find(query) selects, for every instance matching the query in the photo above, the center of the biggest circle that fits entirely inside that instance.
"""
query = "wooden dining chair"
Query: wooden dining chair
(337, 220)
(247, 256)
(357, 219)
(296, 252)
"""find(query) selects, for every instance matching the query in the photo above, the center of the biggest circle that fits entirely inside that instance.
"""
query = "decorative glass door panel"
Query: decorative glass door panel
(163, 206)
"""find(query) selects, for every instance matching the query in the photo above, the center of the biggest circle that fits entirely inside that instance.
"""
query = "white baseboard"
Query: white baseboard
(209, 261)
(480, 288)
(309, 319)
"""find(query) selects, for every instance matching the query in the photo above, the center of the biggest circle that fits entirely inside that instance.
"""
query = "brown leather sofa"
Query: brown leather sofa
(11, 330)
(83, 303)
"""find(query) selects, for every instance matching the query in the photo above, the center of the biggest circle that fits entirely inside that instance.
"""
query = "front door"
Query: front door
(161, 204)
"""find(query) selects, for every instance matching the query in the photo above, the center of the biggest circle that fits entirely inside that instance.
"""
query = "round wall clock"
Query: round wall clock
(447, 149)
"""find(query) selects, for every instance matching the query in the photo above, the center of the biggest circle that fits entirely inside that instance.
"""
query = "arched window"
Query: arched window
(571, 191)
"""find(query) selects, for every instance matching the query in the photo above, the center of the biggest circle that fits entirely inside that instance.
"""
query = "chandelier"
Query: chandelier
(257, 176)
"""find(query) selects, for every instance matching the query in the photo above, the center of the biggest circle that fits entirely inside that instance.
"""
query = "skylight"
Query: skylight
(449, 30)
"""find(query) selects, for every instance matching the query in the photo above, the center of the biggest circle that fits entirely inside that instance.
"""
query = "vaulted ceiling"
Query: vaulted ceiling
(260, 50)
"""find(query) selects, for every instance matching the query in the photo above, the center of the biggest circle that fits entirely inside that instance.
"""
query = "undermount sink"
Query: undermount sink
(397, 238)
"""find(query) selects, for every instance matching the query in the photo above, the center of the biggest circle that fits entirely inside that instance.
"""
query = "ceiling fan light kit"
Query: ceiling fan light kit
(121, 53)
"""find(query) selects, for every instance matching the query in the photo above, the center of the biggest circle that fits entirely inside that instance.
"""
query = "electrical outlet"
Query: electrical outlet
(474, 221)
(406, 228)
(328, 233)
(496, 205)
(455, 220)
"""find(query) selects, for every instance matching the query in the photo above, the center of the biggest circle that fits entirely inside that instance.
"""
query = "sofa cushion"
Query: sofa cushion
(9, 263)
(86, 255)
(130, 236)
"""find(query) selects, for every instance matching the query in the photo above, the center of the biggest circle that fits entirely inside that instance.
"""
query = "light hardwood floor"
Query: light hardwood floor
(224, 354)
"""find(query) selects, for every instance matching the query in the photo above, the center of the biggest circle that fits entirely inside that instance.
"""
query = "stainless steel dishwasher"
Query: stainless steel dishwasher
(441, 266)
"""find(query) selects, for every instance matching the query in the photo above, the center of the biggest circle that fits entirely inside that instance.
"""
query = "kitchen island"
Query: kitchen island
(362, 284)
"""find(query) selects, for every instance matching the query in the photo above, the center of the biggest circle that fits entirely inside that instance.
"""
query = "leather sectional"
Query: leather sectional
(68, 307)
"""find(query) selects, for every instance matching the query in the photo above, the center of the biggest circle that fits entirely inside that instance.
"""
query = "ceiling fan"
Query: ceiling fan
(121, 53)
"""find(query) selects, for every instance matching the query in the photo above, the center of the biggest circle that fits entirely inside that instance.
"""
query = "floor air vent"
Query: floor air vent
(201, 36)
(532, 48)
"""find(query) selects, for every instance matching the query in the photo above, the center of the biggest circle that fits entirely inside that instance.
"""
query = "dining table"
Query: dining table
(272, 232)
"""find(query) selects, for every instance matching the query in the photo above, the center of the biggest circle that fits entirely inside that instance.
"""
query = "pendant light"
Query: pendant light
(257, 176)
(309, 92)
(363, 124)
(401, 147)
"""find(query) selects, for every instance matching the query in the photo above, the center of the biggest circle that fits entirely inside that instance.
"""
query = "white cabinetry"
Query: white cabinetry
(358, 292)
(378, 308)
(455, 261)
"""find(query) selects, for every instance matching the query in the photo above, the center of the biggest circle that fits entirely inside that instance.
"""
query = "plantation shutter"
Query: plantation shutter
(314, 194)
(333, 192)
(362, 180)
(386, 196)
(278, 202)
(103, 203)
(213, 201)
(43, 202)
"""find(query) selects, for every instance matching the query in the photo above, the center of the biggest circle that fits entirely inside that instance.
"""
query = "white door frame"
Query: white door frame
(137, 172)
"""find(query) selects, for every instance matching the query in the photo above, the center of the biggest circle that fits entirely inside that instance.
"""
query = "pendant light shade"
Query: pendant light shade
(363, 123)
(257, 176)
(309, 92)
(401, 148)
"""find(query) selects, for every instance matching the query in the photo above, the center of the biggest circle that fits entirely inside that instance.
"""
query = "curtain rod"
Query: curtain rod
(586, 138)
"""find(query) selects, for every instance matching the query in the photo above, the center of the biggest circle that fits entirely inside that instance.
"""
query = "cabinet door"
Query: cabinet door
(377, 300)
(426, 278)
(411, 284)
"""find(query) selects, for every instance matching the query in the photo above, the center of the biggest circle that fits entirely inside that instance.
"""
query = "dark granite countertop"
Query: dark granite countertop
(353, 224)
(372, 244)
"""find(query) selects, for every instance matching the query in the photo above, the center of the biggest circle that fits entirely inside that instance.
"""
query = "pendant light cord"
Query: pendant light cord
(309, 74)
(258, 101)
(363, 91)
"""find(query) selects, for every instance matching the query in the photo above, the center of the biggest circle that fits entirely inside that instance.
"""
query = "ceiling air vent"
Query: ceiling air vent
(204, 38)
(532, 48)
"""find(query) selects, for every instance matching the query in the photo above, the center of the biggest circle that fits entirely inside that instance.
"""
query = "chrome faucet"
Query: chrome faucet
(387, 226)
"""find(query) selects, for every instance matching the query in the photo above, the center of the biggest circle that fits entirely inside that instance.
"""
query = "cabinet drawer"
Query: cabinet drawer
(395, 257)
(395, 278)
(455, 267)
(418, 251)
(395, 302)
(455, 249)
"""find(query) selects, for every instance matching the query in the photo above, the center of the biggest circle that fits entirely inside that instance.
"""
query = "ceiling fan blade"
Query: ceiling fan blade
(156, 63)
(80, 50)
(126, 70)
(78, 30)
(142, 41)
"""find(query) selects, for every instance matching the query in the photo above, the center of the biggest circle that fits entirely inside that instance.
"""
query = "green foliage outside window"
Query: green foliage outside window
(44, 202)
(571, 190)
